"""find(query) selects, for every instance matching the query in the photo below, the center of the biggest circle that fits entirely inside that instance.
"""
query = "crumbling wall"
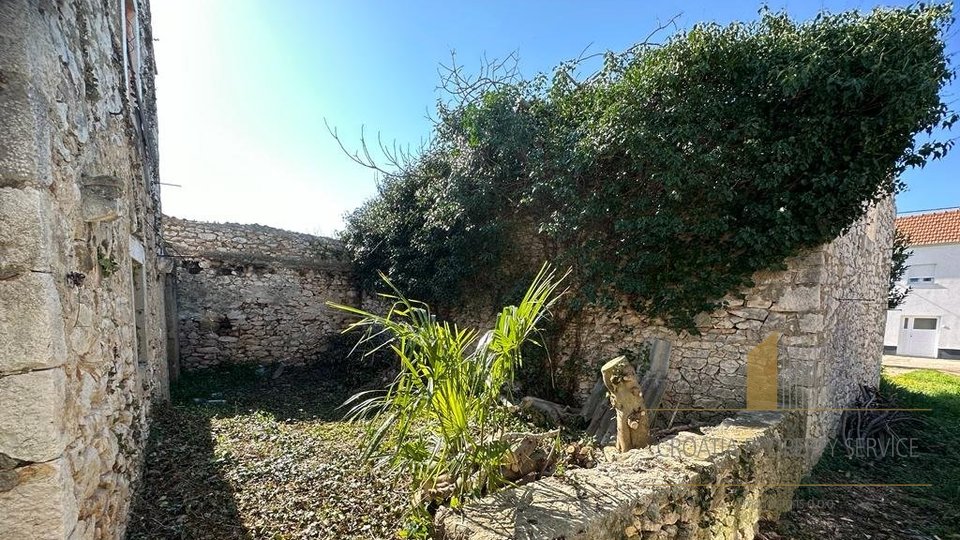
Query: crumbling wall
(827, 305)
(81, 302)
(828, 309)
(249, 294)
(718, 484)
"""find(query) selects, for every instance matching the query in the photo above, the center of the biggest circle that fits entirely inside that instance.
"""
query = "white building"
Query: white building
(928, 321)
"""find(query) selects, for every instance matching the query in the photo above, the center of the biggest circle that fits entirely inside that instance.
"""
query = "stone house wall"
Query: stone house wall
(249, 294)
(82, 333)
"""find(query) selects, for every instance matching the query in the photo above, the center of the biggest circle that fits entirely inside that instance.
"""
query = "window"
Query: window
(139, 301)
(131, 49)
(920, 275)
(924, 324)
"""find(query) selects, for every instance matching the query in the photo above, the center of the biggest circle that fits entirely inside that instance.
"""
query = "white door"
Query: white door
(919, 336)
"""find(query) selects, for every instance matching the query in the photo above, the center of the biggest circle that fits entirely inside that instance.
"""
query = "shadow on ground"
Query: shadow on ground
(884, 512)
(250, 453)
(183, 493)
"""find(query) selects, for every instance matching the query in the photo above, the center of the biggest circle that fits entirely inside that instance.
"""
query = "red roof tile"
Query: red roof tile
(933, 228)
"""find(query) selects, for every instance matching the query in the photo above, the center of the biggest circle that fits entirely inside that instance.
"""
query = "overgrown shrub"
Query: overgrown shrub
(443, 418)
(675, 172)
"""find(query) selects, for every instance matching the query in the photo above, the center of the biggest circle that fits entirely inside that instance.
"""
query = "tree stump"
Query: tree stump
(633, 427)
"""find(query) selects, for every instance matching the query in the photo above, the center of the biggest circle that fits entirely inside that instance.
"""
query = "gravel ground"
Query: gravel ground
(241, 454)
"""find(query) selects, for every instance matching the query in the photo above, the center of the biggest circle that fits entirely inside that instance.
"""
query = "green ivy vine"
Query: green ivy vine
(674, 172)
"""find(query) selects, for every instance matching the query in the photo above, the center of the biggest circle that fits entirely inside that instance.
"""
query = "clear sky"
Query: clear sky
(244, 87)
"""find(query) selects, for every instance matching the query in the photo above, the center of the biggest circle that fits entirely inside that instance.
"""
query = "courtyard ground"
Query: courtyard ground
(896, 365)
(239, 454)
(242, 454)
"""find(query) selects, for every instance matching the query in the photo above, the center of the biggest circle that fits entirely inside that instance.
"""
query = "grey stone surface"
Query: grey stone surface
(31, 323)
(24, 232)
(658, 492)
(799, 298)
(32, 415)
(249, 294)
(40, 506)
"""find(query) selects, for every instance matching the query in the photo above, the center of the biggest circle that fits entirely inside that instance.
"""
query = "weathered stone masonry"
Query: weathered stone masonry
(82, 344)
(828, 307)
(249, 294)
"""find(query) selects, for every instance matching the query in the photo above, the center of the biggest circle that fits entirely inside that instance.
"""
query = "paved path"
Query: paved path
(902, 364)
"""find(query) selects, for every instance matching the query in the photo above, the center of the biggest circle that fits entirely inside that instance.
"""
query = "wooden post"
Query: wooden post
(633, 428)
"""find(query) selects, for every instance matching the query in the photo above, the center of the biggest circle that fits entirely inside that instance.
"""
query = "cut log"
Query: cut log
(633, 428)
(552, 413)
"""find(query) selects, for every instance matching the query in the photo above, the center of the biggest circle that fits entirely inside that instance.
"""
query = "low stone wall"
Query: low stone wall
(691, 486)
(249, 294)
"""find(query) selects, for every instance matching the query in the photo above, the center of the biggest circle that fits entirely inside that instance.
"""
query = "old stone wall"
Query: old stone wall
(718, 484)
(828, 306)
(249, 294)
(826, 312)
(82, 334)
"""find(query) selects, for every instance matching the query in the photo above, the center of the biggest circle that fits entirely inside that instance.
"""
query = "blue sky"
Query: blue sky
(244, 87)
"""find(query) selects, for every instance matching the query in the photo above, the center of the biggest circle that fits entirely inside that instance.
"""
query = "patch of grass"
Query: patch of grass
(932, 457)
(938, 459)
(237, 380)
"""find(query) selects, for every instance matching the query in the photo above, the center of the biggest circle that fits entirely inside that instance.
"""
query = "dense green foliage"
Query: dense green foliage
(442, 419)
(676, 171)
(896, 292)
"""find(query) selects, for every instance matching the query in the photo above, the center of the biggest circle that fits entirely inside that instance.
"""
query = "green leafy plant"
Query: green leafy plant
(442, 418)
(896, 293)
(670, 176)
(108, 265)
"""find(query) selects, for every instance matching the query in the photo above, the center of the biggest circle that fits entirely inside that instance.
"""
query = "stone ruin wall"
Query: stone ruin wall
(828, 305)
(690, 486)
(250, 294)
(78, 214)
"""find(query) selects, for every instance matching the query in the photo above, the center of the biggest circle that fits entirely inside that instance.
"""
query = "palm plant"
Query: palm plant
(441, 420)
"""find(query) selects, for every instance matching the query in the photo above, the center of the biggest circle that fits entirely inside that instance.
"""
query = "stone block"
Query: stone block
(41, 506)
(813, 274)
(101, 199)
(799, 298)
(754, 314)
(760, 303)
(24, 232)
(31, 323)
(812, 322)
(32, 415)
(803, 353)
